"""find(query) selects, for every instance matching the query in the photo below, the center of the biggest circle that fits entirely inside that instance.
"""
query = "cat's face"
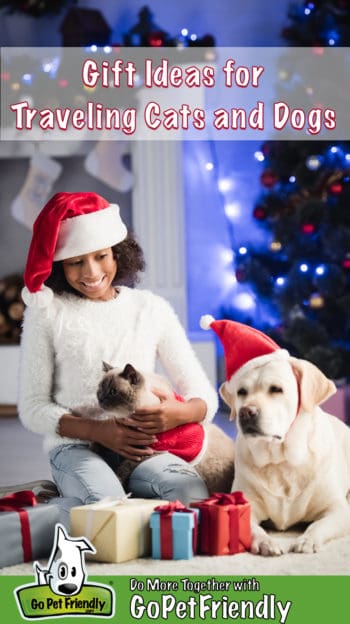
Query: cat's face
(120, 389)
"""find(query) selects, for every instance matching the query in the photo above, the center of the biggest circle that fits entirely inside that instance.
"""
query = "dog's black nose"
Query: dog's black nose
(249, 420)
(67, 588)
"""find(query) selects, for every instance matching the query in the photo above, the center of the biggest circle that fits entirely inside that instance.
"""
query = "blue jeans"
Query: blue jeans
(83, 477)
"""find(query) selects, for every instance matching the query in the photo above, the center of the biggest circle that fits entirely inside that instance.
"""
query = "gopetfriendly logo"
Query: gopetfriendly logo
(60, 589)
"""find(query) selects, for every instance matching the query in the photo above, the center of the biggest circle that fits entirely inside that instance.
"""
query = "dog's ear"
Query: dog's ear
(106, 367)
(227, 396)
(314, 386)
(131, 374)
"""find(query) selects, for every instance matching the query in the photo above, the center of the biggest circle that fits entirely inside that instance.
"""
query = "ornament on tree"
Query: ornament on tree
(259, 213)
(106, 163)
(346, 263)
(316, 301)
(42, 174)
(336, 188)
(308, 228)
(269, 178)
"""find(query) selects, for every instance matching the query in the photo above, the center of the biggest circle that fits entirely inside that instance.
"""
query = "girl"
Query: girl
(80, 312)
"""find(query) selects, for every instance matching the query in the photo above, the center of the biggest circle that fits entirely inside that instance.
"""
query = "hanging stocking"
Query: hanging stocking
(105, 162)
(42, 173)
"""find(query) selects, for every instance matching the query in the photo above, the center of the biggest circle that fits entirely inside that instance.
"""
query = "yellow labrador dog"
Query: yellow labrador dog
(292, 459)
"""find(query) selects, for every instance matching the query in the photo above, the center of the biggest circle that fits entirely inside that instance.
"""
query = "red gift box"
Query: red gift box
(224, 524)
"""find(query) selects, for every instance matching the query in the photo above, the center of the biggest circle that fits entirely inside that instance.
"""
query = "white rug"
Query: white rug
(333, 559)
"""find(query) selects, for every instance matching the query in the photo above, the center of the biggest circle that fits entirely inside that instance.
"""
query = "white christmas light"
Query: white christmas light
(225, 184)
(304, 267)
(320, 270)
(280, 281)
(232, 210)
(242, 251)
(313, 162)
(184, 32)
(244, 301)
(229, 279)
(259, 156)
(226, 256)
(209, 166)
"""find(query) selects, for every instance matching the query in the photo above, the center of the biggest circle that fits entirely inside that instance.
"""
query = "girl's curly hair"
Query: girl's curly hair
(130, 262)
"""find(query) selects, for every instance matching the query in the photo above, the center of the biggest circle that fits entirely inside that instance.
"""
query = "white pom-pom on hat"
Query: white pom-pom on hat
(42, 298)
(206, 320)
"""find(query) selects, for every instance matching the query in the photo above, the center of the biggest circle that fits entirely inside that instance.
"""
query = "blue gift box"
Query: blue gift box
(174, 534)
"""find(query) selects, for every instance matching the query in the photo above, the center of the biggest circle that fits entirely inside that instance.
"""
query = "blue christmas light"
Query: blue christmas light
(209, 166)
(292, 179)
(333, 37)
(27, 78)
(320, 270)
(304, 267)
(280, 281)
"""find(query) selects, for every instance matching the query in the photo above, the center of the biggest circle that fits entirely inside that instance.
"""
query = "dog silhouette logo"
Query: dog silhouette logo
(61, 588)
(66, 571)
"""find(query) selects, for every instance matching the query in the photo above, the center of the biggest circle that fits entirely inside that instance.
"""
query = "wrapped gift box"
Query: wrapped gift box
(26, 528)
(174, 531)
(118, 528)
(224, 524)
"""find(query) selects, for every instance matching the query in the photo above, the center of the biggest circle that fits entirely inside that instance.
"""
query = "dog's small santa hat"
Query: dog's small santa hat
(244, 346)
(69, 225)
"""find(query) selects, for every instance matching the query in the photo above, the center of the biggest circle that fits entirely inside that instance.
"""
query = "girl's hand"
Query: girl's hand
(163, 416)
(126, 441)
(111, 433)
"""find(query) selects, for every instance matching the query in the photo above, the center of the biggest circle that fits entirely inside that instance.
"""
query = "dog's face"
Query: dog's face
(266, 398)
(66, 573)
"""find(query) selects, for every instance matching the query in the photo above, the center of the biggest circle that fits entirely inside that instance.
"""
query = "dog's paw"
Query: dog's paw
(268, 546)
(304, 544)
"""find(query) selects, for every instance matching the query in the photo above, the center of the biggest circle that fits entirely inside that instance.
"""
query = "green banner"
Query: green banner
(200, 599)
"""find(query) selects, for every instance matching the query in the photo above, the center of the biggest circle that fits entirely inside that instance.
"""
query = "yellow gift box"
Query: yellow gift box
(119, 529)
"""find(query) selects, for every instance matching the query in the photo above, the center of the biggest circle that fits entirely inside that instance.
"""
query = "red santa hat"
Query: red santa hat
(243, 345)
(69, 225)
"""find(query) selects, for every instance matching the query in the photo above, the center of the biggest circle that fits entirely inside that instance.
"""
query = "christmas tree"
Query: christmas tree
(301, 273)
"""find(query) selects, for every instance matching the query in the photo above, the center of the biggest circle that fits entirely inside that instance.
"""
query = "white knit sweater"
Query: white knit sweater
(63, 346)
